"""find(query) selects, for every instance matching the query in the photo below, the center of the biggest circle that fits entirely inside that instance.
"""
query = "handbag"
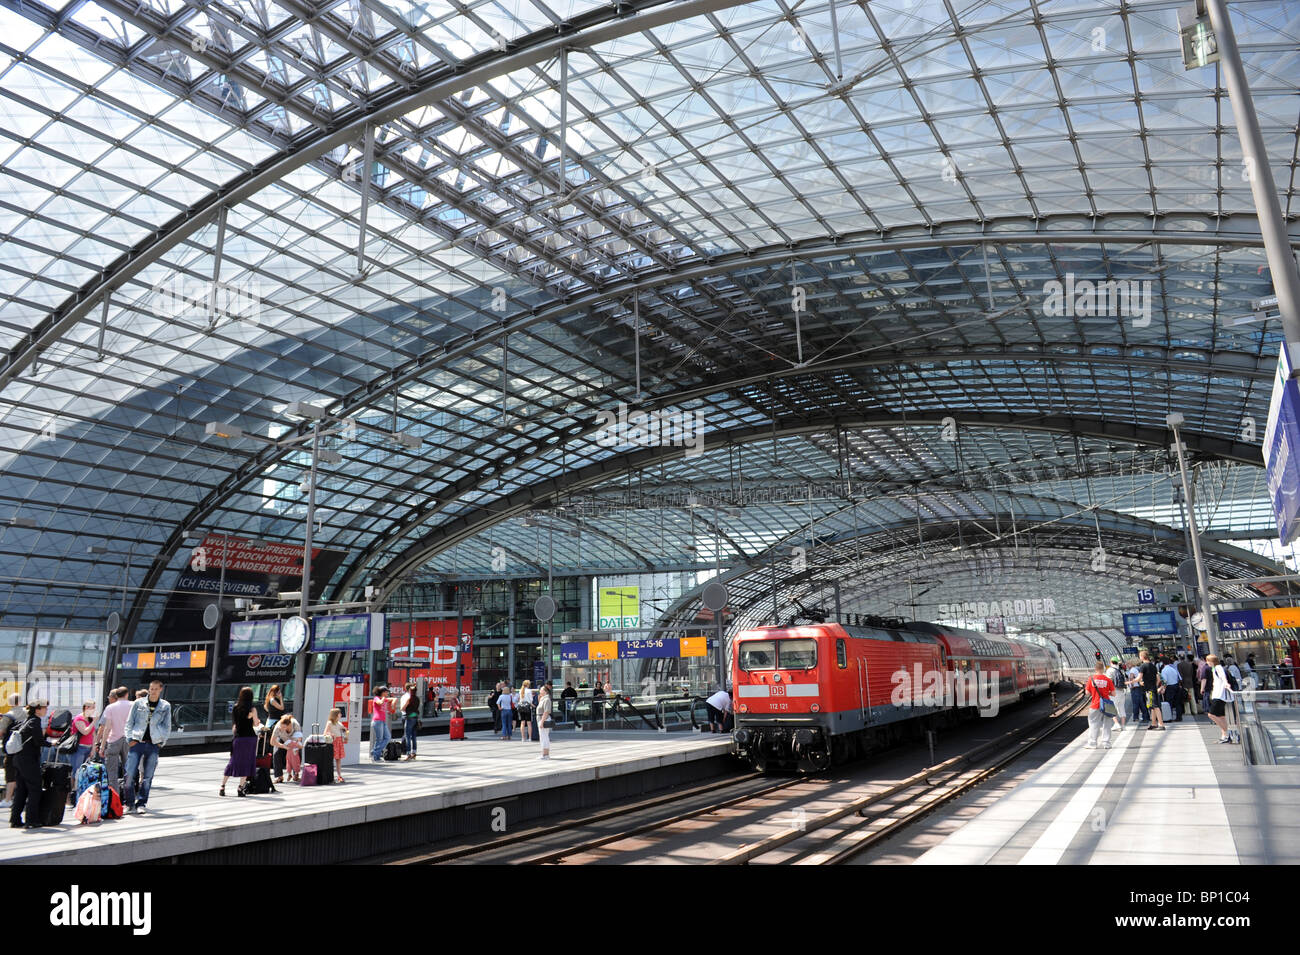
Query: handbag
(1108, 707)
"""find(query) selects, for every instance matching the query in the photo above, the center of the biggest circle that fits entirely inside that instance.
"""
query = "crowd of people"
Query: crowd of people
(127, 737)
(1139, 691)
(529, 710)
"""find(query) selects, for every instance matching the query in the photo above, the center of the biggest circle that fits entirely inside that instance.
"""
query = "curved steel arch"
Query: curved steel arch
(1235, 231)
(465, 526)
(1138, 531)
(597, 26)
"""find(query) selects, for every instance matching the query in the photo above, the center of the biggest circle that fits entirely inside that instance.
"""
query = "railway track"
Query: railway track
(880, 815)
(873, 816)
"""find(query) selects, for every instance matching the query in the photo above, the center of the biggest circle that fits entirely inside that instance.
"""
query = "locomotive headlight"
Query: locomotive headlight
(744, 707)
(816, 708)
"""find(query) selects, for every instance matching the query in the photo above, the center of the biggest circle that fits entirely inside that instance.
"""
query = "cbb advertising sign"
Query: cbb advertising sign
(433, 649)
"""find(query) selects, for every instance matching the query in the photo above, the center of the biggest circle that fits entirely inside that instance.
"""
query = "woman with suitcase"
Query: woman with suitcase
(243, 747)
(27, 763)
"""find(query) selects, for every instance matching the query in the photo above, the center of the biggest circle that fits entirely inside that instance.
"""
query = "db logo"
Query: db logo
(778, 690)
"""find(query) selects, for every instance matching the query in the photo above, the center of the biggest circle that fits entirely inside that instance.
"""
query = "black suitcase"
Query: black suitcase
(261, 784)
(395, 750)
(318, 751)
(56, 783)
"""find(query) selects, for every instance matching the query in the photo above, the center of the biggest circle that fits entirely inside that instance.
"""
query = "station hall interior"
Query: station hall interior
(512, 331)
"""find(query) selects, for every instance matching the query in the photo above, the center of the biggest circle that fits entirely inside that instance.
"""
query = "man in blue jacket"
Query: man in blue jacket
(147, 727)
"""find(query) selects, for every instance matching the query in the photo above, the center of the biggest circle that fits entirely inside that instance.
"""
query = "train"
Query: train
(809, 697)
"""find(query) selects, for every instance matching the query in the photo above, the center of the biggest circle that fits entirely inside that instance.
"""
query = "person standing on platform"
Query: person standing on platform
(243, 744)
(27, 766)
(1234, 671)
(1099, 687)
(494, 707)
(506, 703)
(567, 696)
(381, 709)
(1173, 688)
(1220, 696)
(1150, 677)
(14, 717)
(524, 711)
(147, 727)
(338, 737)
(1187, 682)
(112, 735)
(1115, 673)
(84, 727)
(597, 701)
(544, 720)
(1136, 698)
(411, 719)
(718, 704)
(274, 705)
(1204, 682)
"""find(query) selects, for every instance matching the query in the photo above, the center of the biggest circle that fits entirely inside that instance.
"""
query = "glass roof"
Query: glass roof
(482, 225)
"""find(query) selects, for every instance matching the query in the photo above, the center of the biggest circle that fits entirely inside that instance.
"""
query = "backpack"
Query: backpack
(1232, 680)
(14, 741)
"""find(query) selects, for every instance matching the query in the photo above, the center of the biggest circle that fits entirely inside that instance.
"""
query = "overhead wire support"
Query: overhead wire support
(367, 162)
(835, 36)
(218, 253)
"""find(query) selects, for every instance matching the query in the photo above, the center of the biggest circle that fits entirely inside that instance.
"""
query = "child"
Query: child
(338, 734)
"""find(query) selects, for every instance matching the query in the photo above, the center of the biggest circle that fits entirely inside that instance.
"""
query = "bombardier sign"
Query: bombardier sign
(1025, 610)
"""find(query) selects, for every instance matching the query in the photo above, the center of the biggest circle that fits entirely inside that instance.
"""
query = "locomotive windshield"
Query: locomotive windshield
(758, 655)
(798, 654)
(782, 654)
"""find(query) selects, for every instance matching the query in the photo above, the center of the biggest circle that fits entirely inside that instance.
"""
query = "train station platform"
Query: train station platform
(1177, 797)
(452, 789)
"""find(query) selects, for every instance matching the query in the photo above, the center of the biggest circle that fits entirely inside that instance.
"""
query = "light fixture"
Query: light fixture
(326, 456)
(304, 409)
(27, 522)
(231, 431)
(407, 439)
(96, 549)
(293, 596)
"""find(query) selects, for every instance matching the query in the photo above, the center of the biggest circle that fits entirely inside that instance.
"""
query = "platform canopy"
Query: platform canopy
(931, 274)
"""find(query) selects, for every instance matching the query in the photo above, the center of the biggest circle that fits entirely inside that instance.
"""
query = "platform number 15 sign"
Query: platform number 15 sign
(1146, 596)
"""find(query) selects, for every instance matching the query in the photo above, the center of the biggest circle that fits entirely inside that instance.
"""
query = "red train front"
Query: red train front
(809, 696)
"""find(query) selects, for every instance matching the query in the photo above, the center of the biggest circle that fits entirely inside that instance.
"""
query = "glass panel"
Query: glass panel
(798, 654)
(758, 655)
(15, 650)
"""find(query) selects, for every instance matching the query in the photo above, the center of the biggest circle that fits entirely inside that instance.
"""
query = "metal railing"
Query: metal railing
(1268, 724)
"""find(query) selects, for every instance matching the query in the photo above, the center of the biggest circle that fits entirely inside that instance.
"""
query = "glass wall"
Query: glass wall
(65, 666)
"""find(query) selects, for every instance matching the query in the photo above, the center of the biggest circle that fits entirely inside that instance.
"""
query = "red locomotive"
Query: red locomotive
(809, 696)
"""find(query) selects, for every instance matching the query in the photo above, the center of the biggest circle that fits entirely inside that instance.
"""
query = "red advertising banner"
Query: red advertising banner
(249, 556)
(432, 649)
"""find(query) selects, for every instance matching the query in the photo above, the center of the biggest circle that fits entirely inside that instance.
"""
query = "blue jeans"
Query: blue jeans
(408, 733)
(142, 758)
(1138, 699)
(507, 724)
(78, 757)
(379, 737)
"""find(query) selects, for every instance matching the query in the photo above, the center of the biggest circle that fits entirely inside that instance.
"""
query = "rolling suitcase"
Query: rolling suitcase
(56, 783)
(318, 752)
(457, 729)
(1166, 711)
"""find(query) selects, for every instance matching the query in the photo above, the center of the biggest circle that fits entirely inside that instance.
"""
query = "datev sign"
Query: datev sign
(620, 607)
